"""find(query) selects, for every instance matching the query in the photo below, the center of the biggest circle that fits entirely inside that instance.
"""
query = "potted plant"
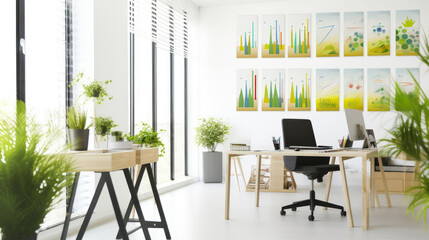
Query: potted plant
(410, 136)
(78, 131)
(93, 89)
(31, 178)
(118, 141)
(211, 132)
(103, 125)
(147, 137)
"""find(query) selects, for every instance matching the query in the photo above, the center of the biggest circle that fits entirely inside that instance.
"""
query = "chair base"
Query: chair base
(312, 202)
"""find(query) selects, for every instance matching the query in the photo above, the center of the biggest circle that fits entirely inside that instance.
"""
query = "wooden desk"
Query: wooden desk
(105, 162)
(368, 190)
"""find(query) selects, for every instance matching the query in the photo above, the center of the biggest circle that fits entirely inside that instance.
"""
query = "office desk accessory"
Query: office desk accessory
(313, 167)
(105, 162)
(341, 155)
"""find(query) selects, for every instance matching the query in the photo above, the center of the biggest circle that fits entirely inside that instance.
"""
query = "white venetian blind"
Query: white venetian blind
(165, 22)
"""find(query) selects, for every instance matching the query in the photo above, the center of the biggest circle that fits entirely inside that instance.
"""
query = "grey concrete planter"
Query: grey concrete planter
(212, 167)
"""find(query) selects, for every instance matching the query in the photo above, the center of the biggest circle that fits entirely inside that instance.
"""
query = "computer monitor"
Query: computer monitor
(356, 125)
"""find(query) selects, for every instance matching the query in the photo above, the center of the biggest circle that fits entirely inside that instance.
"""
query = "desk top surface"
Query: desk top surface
(368, 153)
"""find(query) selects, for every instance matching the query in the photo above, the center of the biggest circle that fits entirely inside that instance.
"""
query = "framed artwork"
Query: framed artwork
(353, 34)
(273, 38)
(299, 27)
(246, 90)
(273, 89)
(247, 35)
(353, 89)
(407, 32)
(299, 89)
(378, 89)
(378, 33)
(327, 89)
(406, 82)
(328, 34)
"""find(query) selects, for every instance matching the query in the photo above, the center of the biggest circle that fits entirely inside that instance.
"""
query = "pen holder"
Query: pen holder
(276, 144)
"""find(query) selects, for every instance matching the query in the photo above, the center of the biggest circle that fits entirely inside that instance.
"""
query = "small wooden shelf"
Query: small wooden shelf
(279, 180)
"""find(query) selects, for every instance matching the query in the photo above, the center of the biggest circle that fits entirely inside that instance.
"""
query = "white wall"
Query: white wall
(218, 65)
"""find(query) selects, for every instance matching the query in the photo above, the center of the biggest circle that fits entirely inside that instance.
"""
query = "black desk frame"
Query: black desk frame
(122, 222)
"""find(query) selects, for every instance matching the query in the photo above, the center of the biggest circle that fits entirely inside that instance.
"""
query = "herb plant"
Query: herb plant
(148, 137)
(103, 125)
(93, 89)
(210, 132)
(31, 178)
(76, 118)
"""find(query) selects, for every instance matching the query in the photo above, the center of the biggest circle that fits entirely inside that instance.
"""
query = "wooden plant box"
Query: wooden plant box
(397, 182)
(146, 155)
(104, 160)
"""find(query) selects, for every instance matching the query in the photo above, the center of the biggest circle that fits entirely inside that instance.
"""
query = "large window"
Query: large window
(7, 50)
(160, 50)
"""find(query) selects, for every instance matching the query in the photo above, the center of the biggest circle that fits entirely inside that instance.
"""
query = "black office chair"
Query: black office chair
(299, 132)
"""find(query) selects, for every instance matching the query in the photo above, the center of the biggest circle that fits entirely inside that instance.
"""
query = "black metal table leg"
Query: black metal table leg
(130, 205)
(115, 204)
(135, 200)
(91, 207)
(158, 201)
(70, 207)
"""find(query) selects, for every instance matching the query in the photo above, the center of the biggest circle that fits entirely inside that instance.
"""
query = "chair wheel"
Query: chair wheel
(294, 209)
(311, 218)
(343, 213)
(282, 212)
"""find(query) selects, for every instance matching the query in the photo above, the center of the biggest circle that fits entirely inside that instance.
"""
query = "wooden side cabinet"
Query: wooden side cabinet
(397, 182)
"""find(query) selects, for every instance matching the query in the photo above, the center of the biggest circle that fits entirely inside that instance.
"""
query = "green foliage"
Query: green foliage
(93, 89)
(409, 22)
(76, 118)
(103, 125)
(31, 178)
(117, 135)
(410, 135)
(210, 132)
(148, 137)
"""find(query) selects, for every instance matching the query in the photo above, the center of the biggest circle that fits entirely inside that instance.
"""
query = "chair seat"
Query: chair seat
(318, 168)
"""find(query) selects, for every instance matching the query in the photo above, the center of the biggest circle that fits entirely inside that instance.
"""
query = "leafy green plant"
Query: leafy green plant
(93, 89)
(210, 132)
(76, 118)
(31, 173)
(148, 137)
(410, 135)
(118, 135)
(103, 125)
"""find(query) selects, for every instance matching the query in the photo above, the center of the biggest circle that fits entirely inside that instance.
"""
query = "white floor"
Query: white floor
(196, 212)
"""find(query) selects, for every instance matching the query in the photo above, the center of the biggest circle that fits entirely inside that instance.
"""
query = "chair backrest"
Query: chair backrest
(299, 132)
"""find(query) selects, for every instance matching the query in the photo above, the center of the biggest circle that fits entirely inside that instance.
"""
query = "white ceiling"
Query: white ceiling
(206, 3)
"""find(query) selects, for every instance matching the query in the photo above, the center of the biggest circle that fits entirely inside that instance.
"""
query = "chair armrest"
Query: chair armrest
(290, 162)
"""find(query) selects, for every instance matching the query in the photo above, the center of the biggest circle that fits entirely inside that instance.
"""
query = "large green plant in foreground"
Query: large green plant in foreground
(31, 173)
(410, 135)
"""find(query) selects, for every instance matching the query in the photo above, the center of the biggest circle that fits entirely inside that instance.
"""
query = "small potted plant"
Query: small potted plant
(211, 132)
(32, 175)
(103, 125)
(118, 141)
(78, 130)
(93, 89)
(147, 137)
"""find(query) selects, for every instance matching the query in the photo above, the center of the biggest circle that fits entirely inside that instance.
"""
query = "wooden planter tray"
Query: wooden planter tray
(146, 155)
(104, 160)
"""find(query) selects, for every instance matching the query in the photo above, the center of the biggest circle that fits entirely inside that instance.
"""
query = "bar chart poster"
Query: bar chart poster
(407, 32)
(327, 89)
(353, 89)
(328, 34)
(247, 35)
(273, 89)
(406, 83)
(378, 89)
(299, 26)
(353, 34)
(246, 90)
(273, 38)
(299, 89)
(378, 33)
